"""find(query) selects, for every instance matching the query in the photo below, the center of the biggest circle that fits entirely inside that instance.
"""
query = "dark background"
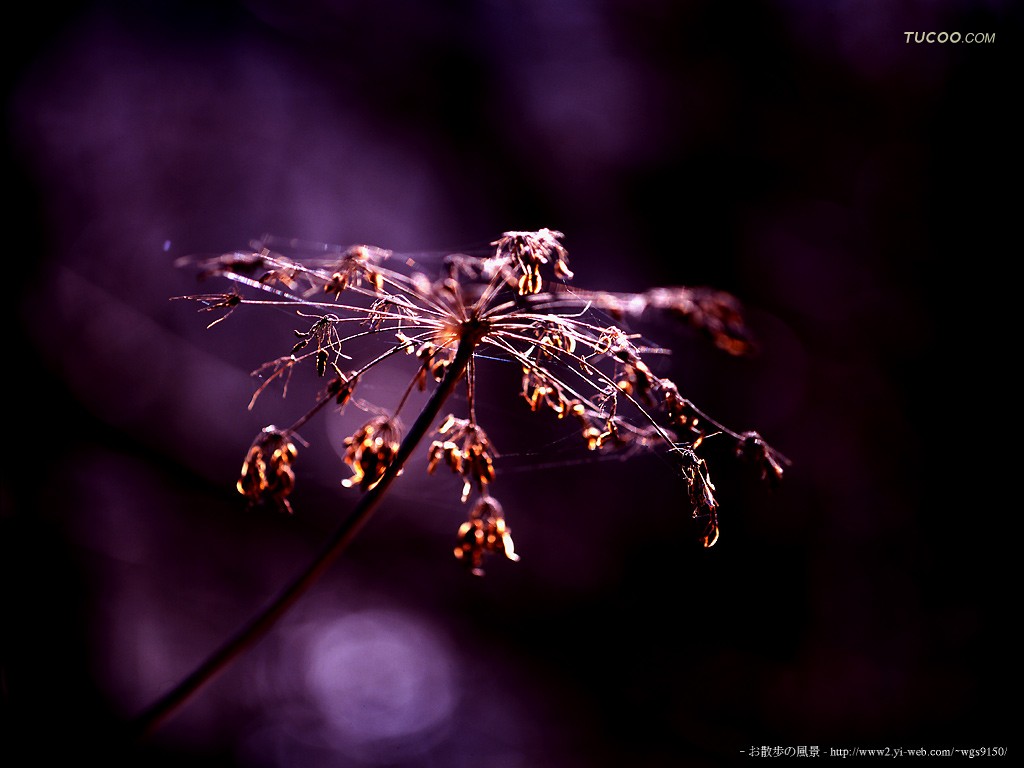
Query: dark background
(854, 191)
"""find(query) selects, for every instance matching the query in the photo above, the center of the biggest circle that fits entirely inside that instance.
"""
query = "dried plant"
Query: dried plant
(511, 302)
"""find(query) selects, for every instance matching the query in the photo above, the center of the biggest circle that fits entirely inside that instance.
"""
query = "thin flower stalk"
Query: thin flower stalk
(248, 635)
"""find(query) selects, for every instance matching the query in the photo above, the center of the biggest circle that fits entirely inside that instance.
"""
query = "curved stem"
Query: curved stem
(259, 625)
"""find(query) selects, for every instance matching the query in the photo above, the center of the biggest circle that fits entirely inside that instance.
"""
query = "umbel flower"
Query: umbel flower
(513, 302)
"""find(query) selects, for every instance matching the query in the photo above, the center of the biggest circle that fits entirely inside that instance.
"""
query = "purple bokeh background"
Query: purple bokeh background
(850, 188)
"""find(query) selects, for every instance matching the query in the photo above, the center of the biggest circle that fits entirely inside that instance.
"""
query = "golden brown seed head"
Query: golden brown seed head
(267, 474)
(484, 534)
(370, 451)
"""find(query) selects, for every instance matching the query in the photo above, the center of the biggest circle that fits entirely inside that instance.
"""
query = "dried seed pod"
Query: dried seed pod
(637, 381)
(342, 385)
(370, 451)
(473, 460)
(678, 409)
(355, 266)
(434, 361)
(701, 491)
(446, 451)
(267, 473)
(483, 534)
(715, 313)
(528, 251)
(753, 447)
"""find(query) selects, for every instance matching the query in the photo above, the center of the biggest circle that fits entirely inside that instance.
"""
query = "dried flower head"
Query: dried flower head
(370, 451)
(355, 266)
(510, 302)
(483, 534)
(529, 251)
(267, 473)
(473, 459)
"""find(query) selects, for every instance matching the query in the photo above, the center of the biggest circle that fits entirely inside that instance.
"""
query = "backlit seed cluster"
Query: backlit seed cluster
(511, 301)
(485, 533)
(465, 449)
(370, 451)
(267, 473)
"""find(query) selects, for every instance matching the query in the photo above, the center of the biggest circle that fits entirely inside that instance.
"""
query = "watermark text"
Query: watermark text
(950, 37)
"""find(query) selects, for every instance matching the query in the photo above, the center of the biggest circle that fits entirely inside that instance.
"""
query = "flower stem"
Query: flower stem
(259, 625)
